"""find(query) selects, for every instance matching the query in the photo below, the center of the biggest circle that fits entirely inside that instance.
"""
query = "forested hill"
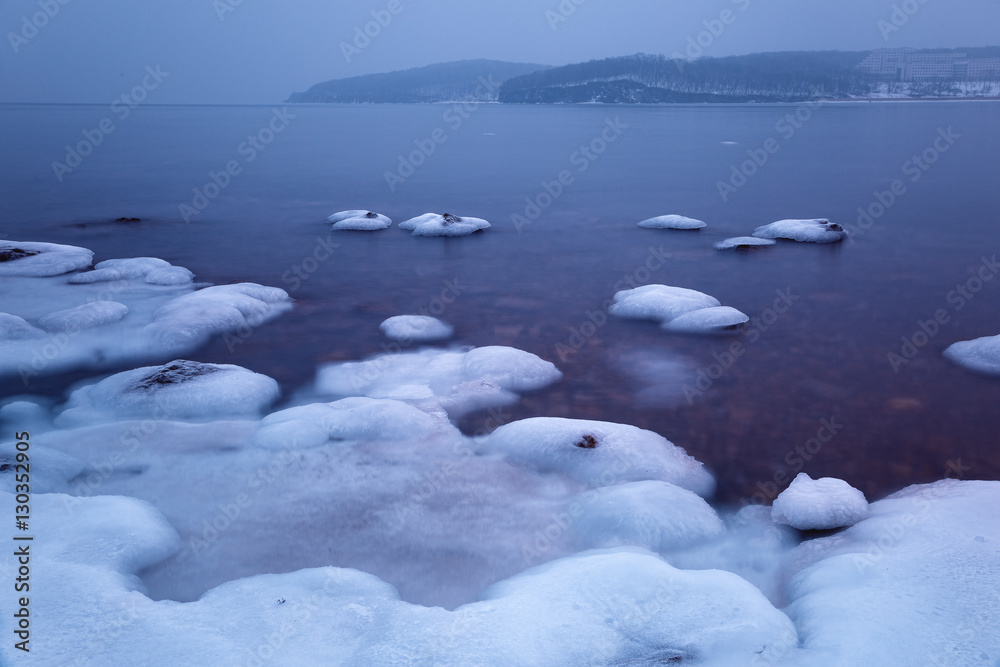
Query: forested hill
(765, 77)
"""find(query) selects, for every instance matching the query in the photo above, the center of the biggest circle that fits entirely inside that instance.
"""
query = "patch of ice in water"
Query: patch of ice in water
(418, 328)
(672, 222)
(598, 453)
(181, 389)
(359, 220)
(819, 230)
(677, 309)
(87, 316)
(19, 258)
(819, 504)
(739, 242)
(981, 355)
(433, 224)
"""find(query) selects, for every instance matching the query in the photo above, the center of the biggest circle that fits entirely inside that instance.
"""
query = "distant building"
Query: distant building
(911, 65)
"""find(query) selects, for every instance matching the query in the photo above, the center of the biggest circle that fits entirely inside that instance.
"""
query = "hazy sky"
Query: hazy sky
(260, 51)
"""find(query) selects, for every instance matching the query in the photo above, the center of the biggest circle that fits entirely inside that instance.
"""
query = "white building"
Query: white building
(906, 64)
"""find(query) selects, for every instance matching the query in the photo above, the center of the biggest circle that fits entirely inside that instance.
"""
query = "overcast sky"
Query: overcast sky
(260, 51)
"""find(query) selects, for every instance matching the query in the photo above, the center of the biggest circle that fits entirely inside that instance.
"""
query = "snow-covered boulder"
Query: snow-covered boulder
(416, 328)
(433, 224)
(19, 258)
(359, 220)
(819, 230)
(677, 309)
(87, 316)
(819, 504)
(981, 355)
(744, 242)
(672, 222)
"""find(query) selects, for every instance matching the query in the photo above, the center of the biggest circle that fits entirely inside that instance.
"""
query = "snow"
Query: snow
(672, 222)
(87, 316)
(805, 231)
(13, 327)
(169, 275)
(744, 242)
(981, 355)
(416, 328)
(181, 389)
(598, 453)
(677, 309)
(133, 267)
(819, 504)
(433, 224)
(19, 258)
(359, 220)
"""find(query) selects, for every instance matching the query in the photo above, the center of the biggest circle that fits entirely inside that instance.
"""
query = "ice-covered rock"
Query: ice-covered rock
(179, 390)
(804, 231)
(359, 220)
(819, 504)
(49, 470)
(169, 275)
(132, 267)
(652, 514)
(981, 355)
(672, 222)
(13, 327)
(913, 584)
(418, 328)
(598, 454)
(744, 242)
(87, 316)
(433, 224)
(457, 381)
(96, 276)
(677, 309)
(41, 259)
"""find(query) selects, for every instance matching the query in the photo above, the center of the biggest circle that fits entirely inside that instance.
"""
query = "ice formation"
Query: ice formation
(672, 222)
(359, 220)
(41, 259)
(677, 309)
(981, 355)
(819, 504)
(804, 231)
(87, 316)
(433, 224)
(744, 242)
(416, 328)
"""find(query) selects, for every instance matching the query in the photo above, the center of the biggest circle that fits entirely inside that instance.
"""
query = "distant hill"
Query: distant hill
(466, 80)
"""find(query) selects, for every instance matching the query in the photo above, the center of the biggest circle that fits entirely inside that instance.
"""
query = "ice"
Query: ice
(418, 328)
(87, 316)
(707, 320)
(19, 258)
(133, 267)
(457, 381)
(981, 355)
(744, 242)
(96, 276)
(652, 514)
(819, 504)
(914, 584)
(677, 309)
(49, 469)
(598, 453)
(13, 327)
(433, 224)
(169, 275)
(672, 222)
(806, 231)
(359, 220)
(181, 389)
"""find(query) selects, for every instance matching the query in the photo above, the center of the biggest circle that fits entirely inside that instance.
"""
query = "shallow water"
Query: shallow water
(825, 359)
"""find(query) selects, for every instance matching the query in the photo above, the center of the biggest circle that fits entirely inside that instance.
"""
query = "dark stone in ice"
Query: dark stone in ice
(369, 214)
(587, 442)
(449, 218)
(10, 253)
(176, 372)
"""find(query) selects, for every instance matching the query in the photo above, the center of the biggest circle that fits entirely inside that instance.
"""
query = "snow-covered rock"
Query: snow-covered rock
(981, 355)
(19, 258)
(433, 224)
(677, 309)
(744, 242)
(87, 316)
(416, 328)
(805, 231)
(819, 504)
(598, 453)
(672, 222)
(13, 327)
(359, 220)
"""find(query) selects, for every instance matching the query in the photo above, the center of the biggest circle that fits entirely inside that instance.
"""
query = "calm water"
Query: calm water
(826, 358)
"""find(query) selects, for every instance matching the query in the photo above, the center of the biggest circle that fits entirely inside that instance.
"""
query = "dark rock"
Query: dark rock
(10, 253)
(449, 218)
(176, 372)
(587, 442)
(128, 220)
